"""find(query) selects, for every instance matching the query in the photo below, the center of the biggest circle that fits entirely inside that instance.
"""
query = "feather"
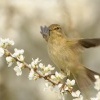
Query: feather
(88, 43)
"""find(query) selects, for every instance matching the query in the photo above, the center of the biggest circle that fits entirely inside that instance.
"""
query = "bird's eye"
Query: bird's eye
(57, 28)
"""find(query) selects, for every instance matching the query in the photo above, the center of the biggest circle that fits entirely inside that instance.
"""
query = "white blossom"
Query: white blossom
(20, 58)
(41, 66)
(57, 77)
(97, 87)
(18, 68)
(31, 74)
(98, 95)
(35, 62)
(49, 67)
(6, 42)
(70, 82)
(64, 89)
(76, 93)
(46, 70)
(9, 60)
(96, 76)
(60, 85)
(97, 83)
(18, 54)
(1, 52)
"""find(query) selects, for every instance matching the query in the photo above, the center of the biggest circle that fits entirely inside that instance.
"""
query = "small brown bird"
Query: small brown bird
(64, 52)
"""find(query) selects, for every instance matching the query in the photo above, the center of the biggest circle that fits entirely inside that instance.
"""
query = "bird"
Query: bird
(65, 53)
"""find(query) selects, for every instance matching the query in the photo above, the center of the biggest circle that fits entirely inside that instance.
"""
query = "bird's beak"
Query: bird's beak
(45, 32)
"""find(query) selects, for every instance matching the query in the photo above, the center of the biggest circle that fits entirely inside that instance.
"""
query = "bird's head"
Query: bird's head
(53, 29)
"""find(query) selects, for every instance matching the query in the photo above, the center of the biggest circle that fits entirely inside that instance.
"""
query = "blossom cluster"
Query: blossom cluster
(97, 87)
(4, 43)
(38, 70)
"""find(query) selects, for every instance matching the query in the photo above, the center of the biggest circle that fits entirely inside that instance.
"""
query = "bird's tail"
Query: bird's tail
(85, 81)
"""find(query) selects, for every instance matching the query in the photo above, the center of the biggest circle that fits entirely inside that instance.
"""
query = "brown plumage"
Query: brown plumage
(87, 43)
(64, 52)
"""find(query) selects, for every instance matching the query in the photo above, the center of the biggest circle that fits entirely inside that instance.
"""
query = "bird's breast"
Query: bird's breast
(62, 55)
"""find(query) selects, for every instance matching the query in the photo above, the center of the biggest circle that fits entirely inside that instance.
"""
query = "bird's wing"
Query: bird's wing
(88, 43)
(78, 45)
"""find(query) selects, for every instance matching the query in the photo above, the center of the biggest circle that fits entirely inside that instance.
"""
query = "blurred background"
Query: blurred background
(20, 20)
